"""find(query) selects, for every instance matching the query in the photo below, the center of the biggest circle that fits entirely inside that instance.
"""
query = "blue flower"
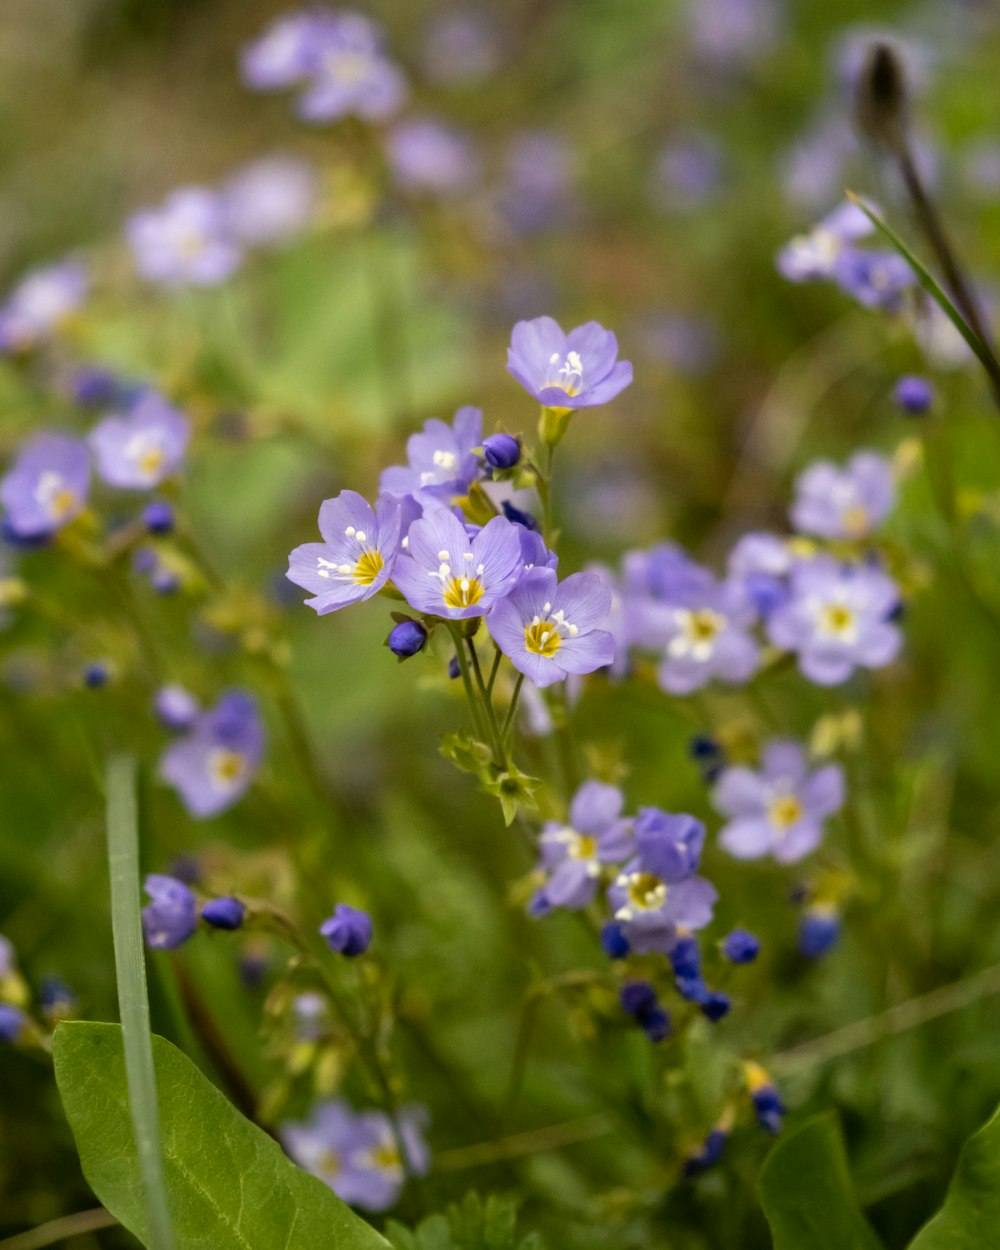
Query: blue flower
(837, 618)
(844, 503)
(574, 854)
(780, 810)
(136, 451)
(441, 460)
(172, 916)
(12, 1023)
(819, 931)
(223, 913)
(874, 279)
(186, 241)
(430, 156)
(550, 629)
(214, 764)
(47, 485)
(42, 302)
(567, 371)
(176, 708)
(348, 930)
(355, 559)
(446, 573)
(614, 943)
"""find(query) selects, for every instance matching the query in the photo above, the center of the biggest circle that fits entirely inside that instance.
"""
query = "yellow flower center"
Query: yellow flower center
(226, 767)
(646, 891)
(837, 619)
(704, 625)
(855, 521)
(462, 592)
(386, 1157)
(542, 638)
(151, 460)
(785, 812)
(583, 846)
(63, 503)
(368, 567)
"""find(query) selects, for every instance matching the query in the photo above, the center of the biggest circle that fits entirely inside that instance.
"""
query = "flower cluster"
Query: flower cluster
(834, 609)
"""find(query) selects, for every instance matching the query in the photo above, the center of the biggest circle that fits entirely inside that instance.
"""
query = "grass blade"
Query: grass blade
(932, 287)
(133, 1003)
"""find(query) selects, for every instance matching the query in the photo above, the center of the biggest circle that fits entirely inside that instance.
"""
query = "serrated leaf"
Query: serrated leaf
(231, 1187)
(807, 1195)
(970, 1217)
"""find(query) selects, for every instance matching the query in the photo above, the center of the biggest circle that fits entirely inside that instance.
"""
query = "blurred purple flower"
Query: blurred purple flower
(40, 303)
(429, 155)
(572, 855)
(850, 502)
(46, 487)
(567, 371)
(688, 173)
(732, 33)
(779, 810)
(172, 915)
(285, 54)
(138, 450)
(356, 557)
(875, 279)
(460, 46)
(213, 765)
(706, 635)
(837, 617)
(184, 241)
(349, 75)
(270, 201)
(812, 256)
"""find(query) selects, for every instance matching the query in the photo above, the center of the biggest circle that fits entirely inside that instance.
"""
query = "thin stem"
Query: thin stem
(497, 657)
(508, 722)
(550, 1137)
(62, 1229)
(487, 702)
(470, 694)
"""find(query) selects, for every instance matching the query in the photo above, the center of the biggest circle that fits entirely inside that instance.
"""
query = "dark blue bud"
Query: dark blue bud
(454, 668)
(517, 516)
(614, 943)
(702, 747)
(710, 1153)
(223, 913)
(172, 915)
(819, 930)
(348, 930)
(914, 395)
(55, 996)
(502, 451)
(656, 1024)
(638, 998)
(685, 958)
(715, 1005)
(539, 904)
(12, 1021)
(144, 560)
(407, 639)
(158, 517)
(691, 988)
(768, 1108)
(95, 675)
(741, 947)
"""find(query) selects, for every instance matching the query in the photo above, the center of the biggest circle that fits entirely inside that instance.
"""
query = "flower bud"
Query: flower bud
(880, 99)
(914, 395)
(407, 638)
(741, 947)
(172, 916)
(158, 517)
(348, 930)
(224, 913)
(501, 451)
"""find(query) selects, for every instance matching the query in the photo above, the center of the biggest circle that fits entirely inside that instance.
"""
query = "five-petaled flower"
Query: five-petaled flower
(831, 502)
(550, 629)
(47, 485)
(138, 450)
(214, 763)
(573, 854)
(567, 371)
(355, 559)
(445, 572)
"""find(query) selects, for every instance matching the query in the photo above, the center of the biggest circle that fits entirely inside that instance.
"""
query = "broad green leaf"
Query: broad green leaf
(230, 1185)
(970, 1217)
(807, 1196)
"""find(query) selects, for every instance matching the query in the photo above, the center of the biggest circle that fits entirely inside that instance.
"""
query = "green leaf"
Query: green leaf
(465, 752)
(133, 1002)
(970, 1217)
(230, 1185)
(470, 1225)
(807, 1196)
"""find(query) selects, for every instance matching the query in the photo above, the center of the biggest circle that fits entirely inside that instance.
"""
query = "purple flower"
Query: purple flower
(831, 502)
(706, 636)
(837, 618)
(446, 573)
(428, 155)
(819, 931)
(501, 451)
(688, 173)
(441, 461)
(573, 854)
(172, 915)
(12, 1023)
(358, 1155)
(549, 629)
(40, 303)
(214, 764)
(460, 47)
(350, 74)
(46, 486)
(348, 930)
(567, 371)
(761, 562)
(270, 200)
(184, 241)
(730, 33)
(537, 188)
(812, 256)
(874, 279)
(780, 810)
(138, 450)
(356, 557)
(284, 55)
(656, 894)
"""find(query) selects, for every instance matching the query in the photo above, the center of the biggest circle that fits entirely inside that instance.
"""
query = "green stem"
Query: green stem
(463, 667)
(508, 722)
(497, 657)
(487, 702)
